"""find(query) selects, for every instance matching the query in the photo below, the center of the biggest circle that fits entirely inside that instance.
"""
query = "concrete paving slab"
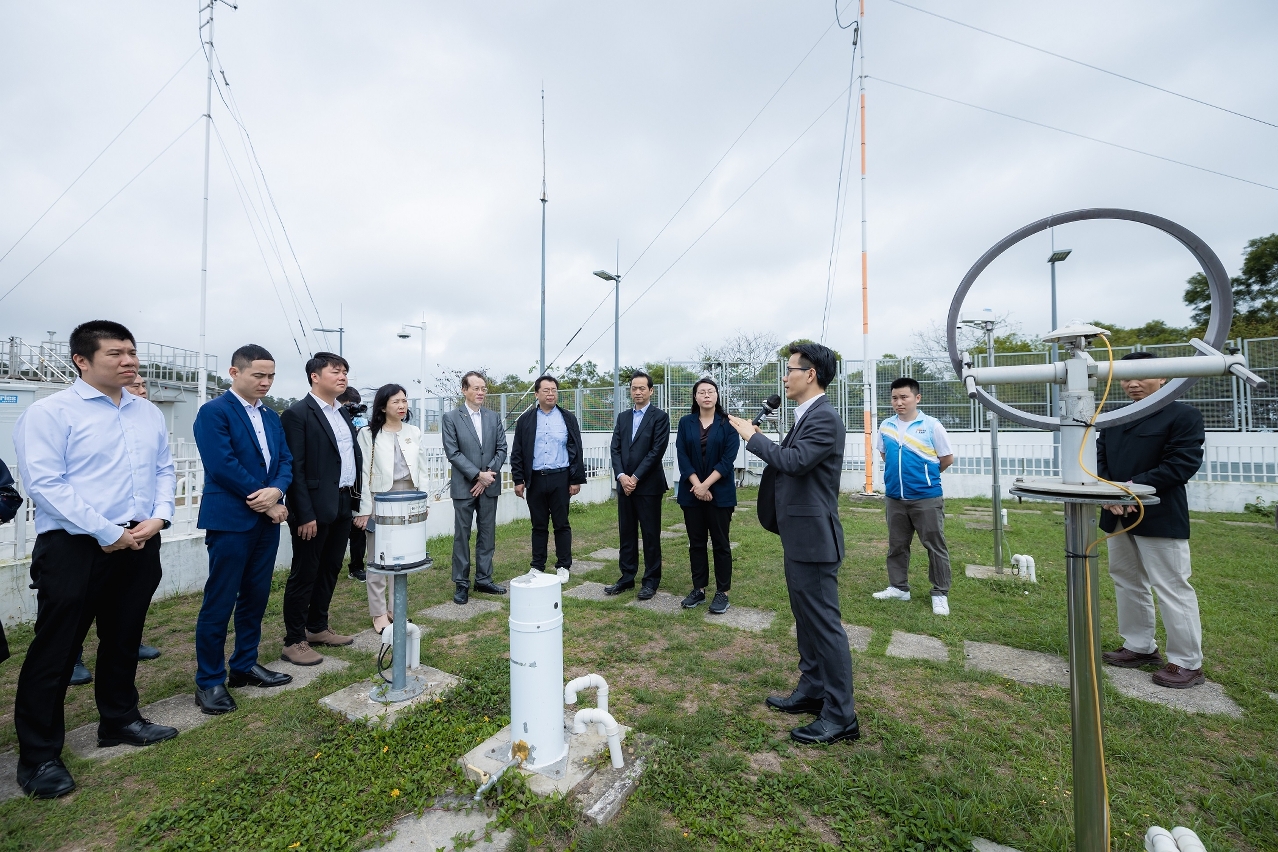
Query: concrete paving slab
(453, 612)
(588, 591)
(1033, 667)
(1024, 512)
(678, 527)
(369, 641)
(602, 795)
(914, 646)
(733, 545)
(583, 566)
(607, 554)
(1197, 521)
(669, 534)
(858, 637)
(436, 828)
(984, 525)
(1209, 698)
(743, 618)
(1273, 695)
(354, 703)
(179, 711)
(980, 844)
(662, 602)
(302, 676)
(1246, 524)
(865, 510)
(748, 503)
(9, 788)
(987, 572)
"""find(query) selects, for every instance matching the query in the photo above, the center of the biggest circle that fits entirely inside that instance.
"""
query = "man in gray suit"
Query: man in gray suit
(805, 468)
(475, 444)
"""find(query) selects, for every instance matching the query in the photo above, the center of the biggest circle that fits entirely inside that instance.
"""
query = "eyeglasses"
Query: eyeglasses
(800, 369)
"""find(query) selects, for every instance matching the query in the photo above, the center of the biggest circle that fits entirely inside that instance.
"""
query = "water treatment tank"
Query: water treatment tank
(537, 667)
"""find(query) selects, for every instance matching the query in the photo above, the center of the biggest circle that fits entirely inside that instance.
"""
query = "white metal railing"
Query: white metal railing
(50, 361)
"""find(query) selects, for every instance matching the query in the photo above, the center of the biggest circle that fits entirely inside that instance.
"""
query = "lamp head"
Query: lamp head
(605, 275)
(403, 333)
(1058, 256)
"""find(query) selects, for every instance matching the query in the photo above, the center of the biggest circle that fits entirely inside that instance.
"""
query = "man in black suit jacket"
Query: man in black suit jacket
(808, 463)
(326, 463)
(639, 443)
(1164, 450)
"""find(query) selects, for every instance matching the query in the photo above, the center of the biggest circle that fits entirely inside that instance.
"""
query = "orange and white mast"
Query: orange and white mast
(867, 371)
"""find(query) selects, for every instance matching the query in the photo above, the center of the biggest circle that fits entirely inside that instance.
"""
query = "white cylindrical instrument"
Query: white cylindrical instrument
(399, 530)
(537, 667)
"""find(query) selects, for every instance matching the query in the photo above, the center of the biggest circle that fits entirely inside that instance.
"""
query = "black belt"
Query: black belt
(345, 489)
(549, 471)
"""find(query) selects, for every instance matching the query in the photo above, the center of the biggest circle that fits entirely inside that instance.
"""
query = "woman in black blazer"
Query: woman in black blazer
(707, 448)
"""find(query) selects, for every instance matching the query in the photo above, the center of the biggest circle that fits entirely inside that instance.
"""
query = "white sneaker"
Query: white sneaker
(891, 593)
(940, 605)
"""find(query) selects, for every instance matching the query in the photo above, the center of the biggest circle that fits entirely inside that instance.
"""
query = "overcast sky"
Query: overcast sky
(402, 145)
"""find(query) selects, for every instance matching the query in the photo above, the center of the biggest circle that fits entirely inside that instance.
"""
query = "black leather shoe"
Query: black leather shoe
(259, 676)
(214, 701)
(143, 732)
(822, 732)
(46, 781)
(148, 652)
(359, 575)
(647, 593)
(617, 588)
(490, 588)
(796, 703)
(461, 595)
(81, 675)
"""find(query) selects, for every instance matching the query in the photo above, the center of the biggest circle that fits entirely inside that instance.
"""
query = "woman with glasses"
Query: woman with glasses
(707, 449)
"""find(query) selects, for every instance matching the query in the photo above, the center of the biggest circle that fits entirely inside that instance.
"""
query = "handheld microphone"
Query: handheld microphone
(770, 405)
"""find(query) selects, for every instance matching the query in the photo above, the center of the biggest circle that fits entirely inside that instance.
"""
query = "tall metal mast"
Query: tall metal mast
(867, 369)
(542, 362)
(207, 40)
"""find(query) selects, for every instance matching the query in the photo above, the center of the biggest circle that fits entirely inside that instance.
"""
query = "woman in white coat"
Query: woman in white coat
(394, 460)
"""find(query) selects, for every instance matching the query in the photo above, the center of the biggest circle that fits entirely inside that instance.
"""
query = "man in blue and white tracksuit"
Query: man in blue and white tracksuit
(915, 449)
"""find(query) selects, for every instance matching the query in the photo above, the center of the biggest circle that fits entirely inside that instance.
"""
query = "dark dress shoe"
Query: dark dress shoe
(618, 587)
(46, 781)
(461, 595)
(214, 701)
(259, 676)
(490, 588)
(822, 732)
(148, 652)
(796, 703)
(1126, 659)
(143, 732)
(359, 575)
(647, 593)
(81, 675)
(1173, 676)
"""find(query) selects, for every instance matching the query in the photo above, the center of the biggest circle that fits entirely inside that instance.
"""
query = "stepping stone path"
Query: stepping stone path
(913, 646)
(582, 566)
(743, 618)
(1024, 512)
(868, 511)
(662, 602)
(669, 534)
(608, 554)
(1245, 524)
(302, 675)
(1273, 695)
(436, 828)
(1032, 667)
(678, 527)
(588, 591)
(980, 844)
(179, 711)
(9, 788)
(452, 612)
(858, 637)
(1209, 698)
(984, 525)
(987, 572)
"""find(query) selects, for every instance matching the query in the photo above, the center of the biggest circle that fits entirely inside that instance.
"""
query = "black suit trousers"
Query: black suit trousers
(637, 512)
(825, 662)
(313, 576)
(77, 583)
(548, 499)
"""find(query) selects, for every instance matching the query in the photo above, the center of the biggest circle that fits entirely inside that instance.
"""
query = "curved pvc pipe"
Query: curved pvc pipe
(1187, 840)
(1025, 564)
(590, 681)
(412, 657)
(611, 729)
(1159, 839)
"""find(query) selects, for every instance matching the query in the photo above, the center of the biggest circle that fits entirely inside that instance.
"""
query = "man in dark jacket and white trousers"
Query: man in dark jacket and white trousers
(639, 442)
(807, 465)
(326, 464)
(1164, 450)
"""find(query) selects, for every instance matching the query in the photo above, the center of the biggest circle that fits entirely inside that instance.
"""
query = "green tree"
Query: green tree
(1255, 292)
(1154, 331)
(784, 352)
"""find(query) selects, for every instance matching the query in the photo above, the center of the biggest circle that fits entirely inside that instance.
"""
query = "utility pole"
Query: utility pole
(200, 379)
(1054, 258)
(542, 361)
(867, 368)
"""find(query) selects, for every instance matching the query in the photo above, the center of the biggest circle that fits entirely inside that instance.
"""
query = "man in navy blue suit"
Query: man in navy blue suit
(247, 470)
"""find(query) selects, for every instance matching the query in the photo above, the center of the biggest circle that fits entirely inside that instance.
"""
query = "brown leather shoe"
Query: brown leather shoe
(301, 654)
(329, 638)
(1126, 659)
(1173, 676)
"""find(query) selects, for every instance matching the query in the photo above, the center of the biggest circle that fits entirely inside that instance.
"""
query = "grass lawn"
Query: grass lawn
(946, 754)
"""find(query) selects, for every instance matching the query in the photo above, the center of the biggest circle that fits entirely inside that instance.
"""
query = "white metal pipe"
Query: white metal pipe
(590, 681)
(413, 639)
(1159, 839)
(1187, 840)
(593, 715)
(1144, 368)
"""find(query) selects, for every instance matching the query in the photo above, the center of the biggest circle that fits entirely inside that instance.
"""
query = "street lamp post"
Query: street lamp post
(341, 338)
(616, 337)
(404, 333)
(1055, 258)
(987, 322)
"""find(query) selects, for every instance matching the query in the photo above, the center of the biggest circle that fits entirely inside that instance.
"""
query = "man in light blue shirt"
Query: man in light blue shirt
(95, 461)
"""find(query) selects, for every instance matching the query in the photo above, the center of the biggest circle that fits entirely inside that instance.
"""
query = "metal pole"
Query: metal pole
(1056, 398)
(616, 341)
(1091, 803)
(422, 367)
(867, 374)
(399, 664)
(996, 490)
(542, 361)
(204, 239)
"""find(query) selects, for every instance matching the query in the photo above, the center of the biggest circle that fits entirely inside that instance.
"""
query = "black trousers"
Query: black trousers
(78, 583)
(313, 576)
(634, 513)
(359, 541)
(825, 662)
(547, 495)
(701, 519)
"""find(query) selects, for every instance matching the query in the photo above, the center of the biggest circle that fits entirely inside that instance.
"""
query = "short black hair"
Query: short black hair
(818, 357)
(546, 378)
(350, 396)
(1138, 356)
(248, 353)
(640, 374)
(465, 380)
(87, 337)
(320, 360)
(905, 382)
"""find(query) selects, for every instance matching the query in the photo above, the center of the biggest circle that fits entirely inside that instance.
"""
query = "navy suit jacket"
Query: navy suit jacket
(233, 464)
(643, 457)
(722, 443)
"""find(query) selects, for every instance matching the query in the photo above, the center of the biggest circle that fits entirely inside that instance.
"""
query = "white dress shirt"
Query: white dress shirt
(90, 466)
(345, 443)
(254, 412)
(637, 421)
(477, 420)
(803, 409)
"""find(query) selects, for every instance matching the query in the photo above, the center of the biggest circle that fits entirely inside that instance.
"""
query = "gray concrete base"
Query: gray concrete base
(354, 703)
(9, 788)
(678, 527)
(913, 646)
(662, 602)
(607, 554)
(987, 572)
(858, 637)
(369, 641)
(179, 711)
(1209, 698)
(303, 676)
(980, 844)
(743, 618)
(602, 795)
(437, 828)
(452, 612)
(588, 591)
(1032, 667)
(582, 566)
(669, 534)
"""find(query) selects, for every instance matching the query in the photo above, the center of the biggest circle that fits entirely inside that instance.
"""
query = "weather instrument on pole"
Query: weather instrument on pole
(1078, 487)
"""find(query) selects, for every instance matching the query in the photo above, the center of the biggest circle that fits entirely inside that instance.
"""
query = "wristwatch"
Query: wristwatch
(167, 524)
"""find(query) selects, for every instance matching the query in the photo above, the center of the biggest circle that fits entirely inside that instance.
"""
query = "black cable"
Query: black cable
(1072, 133)
(1089, 65)
(836, 16)
(838, 197)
